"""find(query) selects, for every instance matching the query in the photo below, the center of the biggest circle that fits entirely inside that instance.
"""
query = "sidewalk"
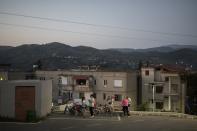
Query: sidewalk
(169, 114)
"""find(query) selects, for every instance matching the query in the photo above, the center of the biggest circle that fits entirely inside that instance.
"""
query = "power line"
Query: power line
(99, 25)
(86, 33)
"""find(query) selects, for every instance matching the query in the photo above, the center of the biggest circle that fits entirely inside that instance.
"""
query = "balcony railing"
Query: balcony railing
(82, 88)
(171, 94)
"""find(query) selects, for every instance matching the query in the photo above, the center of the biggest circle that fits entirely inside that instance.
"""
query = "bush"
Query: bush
(142, 107)
(31, 116)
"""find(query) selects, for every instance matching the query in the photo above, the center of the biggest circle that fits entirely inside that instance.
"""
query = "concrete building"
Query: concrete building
(163, 88)
(76, 84)
(17, 97)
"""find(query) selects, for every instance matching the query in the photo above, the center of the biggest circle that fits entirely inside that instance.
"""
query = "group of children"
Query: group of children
(126, 102)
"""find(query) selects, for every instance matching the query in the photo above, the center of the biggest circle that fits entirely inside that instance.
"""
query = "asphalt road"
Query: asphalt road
(133, 123)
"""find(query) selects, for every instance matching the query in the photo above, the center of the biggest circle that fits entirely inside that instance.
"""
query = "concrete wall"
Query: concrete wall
(129, 83)
(172, 100)
(145, 80)
(7, 102)
(43, 98)
(46, 97)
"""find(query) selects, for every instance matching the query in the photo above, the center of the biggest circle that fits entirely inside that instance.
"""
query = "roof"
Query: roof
(168, 68)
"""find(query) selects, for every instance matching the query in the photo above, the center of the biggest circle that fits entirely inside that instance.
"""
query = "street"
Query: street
(133, 123)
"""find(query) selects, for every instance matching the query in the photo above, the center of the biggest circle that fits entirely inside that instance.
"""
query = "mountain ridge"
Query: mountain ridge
(57, 55)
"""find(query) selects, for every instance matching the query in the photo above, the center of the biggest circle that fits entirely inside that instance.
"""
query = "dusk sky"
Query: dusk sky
(99, 23)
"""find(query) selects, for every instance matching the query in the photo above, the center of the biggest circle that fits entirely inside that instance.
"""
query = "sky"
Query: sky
(99, 23)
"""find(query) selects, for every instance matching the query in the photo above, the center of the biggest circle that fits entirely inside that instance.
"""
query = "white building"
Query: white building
(163, 89)
(18, 97)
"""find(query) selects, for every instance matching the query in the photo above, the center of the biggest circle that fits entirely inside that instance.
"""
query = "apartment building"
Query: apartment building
(163, 88)
(72, 84)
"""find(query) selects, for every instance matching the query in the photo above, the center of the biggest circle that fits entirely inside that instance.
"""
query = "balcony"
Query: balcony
(64, 87)
(83, 88)
(171, 94)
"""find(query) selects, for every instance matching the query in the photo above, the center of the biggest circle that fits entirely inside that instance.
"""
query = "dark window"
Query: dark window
(147, 72)
(159, 89)
(29, 77)
(166, 78)
(174, 88)
(42, 78)
(159, 105)
(94, 82)
(104, 96)
(81, 81)
(118, 97)
(71, 96)
(105, 82)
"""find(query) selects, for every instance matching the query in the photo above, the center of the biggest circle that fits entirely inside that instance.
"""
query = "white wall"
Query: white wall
(46, 97)
(43, 96)
(7, 100)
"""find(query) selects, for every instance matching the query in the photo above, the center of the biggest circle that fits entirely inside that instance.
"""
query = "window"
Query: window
(159, 89)
(59, 93)
(64, 80)
(146, 72)
(105, 82)
(104, 96)
(118, 97)
(42, 78)
(166, 78)
(159, 105)
(94, 82)
(174, 88)
(60, 81)
(71, 96)
(151, 100)
(117, 83)
(81, 81)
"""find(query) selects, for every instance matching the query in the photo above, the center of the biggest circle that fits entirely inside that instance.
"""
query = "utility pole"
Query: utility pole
(153, 87)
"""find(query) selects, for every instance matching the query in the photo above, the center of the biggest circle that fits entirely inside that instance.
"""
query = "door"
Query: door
(24, 101)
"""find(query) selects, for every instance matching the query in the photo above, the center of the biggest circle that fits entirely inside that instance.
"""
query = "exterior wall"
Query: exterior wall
(7, 102)
(50, 75)
(42, 99)
(129, 83)
(172, 95)
(145, 80)
(46, 97)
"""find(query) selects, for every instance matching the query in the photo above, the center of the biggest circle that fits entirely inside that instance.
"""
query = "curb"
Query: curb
(169, 114)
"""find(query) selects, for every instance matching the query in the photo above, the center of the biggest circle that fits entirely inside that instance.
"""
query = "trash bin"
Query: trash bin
(31, 116)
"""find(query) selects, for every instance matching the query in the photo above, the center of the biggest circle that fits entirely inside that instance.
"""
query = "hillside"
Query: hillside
(168, 48)
(60, 56)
